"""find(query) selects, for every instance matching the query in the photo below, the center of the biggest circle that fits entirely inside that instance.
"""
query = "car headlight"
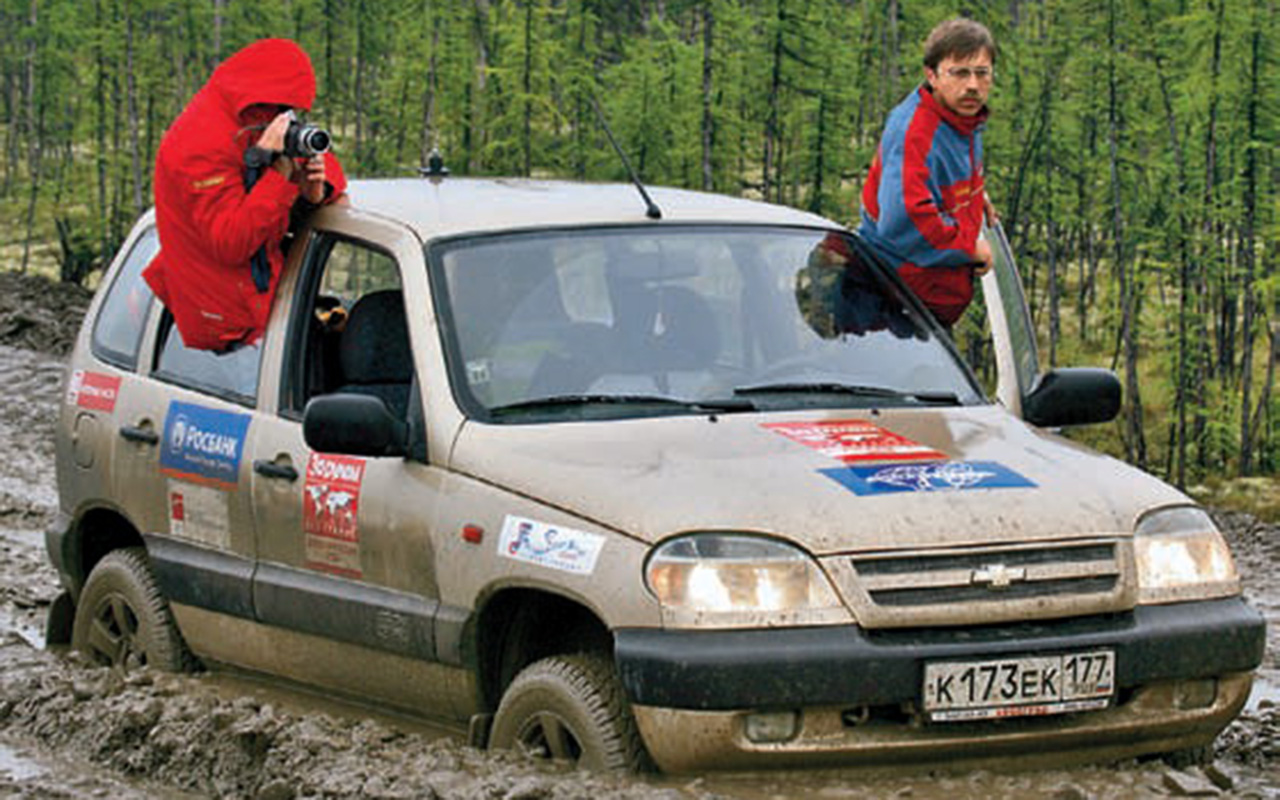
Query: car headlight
(1181, 556)
(728, 579)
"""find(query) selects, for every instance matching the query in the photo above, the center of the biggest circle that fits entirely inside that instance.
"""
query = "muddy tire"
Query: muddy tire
(570, 709)
(123, 621)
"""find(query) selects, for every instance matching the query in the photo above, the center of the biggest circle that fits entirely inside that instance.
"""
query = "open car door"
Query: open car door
(1063, 396)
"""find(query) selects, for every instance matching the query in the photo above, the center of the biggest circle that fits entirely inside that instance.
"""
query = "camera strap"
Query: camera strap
(259, 266)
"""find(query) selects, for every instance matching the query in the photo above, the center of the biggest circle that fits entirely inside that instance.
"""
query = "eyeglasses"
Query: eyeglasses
(963, 74)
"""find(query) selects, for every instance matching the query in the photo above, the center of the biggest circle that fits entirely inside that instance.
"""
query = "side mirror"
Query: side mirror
(353, 424)
(1072, 396)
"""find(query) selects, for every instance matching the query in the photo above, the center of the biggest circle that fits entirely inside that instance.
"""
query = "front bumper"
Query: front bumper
(857, 692)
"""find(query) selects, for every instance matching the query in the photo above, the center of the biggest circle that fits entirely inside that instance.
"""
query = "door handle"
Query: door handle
(271, 469)
(134, 433)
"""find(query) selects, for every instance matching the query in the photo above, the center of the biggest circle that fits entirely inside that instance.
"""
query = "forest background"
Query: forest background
(1131, 150)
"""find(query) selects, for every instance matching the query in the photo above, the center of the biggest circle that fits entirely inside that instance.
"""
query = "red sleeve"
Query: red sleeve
(334, 176)
(237, 222)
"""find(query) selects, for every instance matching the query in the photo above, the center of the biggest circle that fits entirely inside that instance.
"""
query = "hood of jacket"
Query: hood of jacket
(275, 71)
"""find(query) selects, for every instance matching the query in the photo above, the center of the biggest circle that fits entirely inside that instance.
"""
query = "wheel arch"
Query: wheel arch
(518, 626)
(98, 531)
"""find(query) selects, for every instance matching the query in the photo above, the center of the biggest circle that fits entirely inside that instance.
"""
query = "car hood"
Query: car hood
(996, 479)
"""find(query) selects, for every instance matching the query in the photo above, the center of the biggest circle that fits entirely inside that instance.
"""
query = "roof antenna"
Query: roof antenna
(435, 167)
(651, 208)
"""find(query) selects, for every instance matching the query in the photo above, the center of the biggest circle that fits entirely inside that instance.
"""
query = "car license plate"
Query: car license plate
(955, 691)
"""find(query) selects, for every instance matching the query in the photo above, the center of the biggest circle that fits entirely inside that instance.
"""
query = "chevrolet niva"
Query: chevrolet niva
(705, 490)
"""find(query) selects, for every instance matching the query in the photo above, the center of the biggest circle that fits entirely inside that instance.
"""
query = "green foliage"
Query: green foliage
(1153, 120)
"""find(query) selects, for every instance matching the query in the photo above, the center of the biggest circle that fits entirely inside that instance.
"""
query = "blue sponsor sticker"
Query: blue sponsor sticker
(940, 476)
(203, 444)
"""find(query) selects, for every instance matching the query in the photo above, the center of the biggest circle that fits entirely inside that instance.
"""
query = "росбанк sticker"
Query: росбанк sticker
(934, 477)
(203, 444)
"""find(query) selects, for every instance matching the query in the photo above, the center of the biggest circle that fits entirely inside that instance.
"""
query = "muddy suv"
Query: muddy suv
(704, 491)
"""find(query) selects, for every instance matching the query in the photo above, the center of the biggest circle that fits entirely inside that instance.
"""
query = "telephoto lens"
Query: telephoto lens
(303, 140)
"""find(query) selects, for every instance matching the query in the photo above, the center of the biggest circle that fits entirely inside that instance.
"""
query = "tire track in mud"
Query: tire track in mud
(82, 731)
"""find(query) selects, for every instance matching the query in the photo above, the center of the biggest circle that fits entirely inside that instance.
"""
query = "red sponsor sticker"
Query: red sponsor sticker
(330, 513)
(94, 390)
(178, 511)
(851, 440)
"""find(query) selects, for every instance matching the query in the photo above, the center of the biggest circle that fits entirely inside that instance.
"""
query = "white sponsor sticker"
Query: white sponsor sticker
(199, 514)
(551, 546)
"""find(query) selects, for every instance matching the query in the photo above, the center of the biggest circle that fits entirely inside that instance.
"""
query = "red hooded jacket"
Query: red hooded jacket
(209, 226)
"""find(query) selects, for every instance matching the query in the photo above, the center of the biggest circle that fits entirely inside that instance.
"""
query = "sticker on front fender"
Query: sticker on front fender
(551, 546)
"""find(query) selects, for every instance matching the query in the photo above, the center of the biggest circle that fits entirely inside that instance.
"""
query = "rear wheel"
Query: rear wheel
(123, 621)
(570, 709)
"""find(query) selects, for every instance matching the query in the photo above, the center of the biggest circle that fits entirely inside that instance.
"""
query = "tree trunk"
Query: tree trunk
(105, 243)
(218, 6)
(1247, 246)
(1202, 339)
(708, 121)
(526, 99)
(429, 139)
(131, 89)
(475, 133)
(34, 131)
(1055, 324)
(1135, 440)
(359, 75)
(1186, 266)
(771, 122)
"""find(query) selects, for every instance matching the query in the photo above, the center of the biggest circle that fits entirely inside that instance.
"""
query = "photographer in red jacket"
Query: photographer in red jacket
(224, 190)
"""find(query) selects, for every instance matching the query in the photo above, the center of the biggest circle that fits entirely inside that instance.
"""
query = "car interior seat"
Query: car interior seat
(666, 341)
(374, 352)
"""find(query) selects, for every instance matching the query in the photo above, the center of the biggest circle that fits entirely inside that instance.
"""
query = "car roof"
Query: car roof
(437, 207)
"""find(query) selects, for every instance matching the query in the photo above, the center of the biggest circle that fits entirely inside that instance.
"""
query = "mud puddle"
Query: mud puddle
(28, 774)
(71, 730)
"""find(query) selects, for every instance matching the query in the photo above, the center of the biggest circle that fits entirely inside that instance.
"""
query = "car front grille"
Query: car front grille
(946, 585)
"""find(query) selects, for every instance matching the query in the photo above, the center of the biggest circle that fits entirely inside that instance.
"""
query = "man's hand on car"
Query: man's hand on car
(982, 257)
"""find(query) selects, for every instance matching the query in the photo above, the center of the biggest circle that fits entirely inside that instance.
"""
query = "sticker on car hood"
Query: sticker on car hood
(946, 476)
(203, 444)
(852, 440)
(551, 546)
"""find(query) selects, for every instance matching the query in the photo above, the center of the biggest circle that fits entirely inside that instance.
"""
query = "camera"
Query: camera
(304, 140)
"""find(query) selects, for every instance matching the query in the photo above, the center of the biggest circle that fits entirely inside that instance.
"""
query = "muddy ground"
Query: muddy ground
(68, 730)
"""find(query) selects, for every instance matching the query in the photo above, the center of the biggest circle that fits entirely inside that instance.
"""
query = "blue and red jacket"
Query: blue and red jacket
(922, 203)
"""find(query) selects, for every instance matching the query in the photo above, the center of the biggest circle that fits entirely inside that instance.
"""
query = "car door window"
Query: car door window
(1013, 335)
(349, 328)
(118, 331)
(230, 375)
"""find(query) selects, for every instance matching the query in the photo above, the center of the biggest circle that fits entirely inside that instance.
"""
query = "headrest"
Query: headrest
(375, 342)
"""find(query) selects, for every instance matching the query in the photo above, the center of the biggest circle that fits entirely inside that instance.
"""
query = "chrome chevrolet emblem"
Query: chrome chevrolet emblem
(997, 576)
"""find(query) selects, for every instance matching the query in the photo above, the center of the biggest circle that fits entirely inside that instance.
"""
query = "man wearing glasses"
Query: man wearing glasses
(923, 201)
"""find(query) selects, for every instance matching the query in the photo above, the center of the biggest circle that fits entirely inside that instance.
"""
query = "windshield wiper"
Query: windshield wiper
(728, 404)
(854, 390)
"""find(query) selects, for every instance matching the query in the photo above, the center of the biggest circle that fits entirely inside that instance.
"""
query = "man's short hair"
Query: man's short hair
(957, 38)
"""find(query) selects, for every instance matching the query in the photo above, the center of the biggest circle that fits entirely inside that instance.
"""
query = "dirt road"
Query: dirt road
(69, 730)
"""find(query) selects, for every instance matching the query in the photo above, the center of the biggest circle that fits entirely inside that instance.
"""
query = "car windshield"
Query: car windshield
(608, 323)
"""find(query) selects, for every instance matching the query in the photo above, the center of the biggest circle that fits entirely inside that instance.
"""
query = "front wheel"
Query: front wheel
(123, 621)
(570, 709)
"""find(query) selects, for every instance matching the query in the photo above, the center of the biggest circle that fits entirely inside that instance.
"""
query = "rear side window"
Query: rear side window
(230, 375)
(118, 330)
